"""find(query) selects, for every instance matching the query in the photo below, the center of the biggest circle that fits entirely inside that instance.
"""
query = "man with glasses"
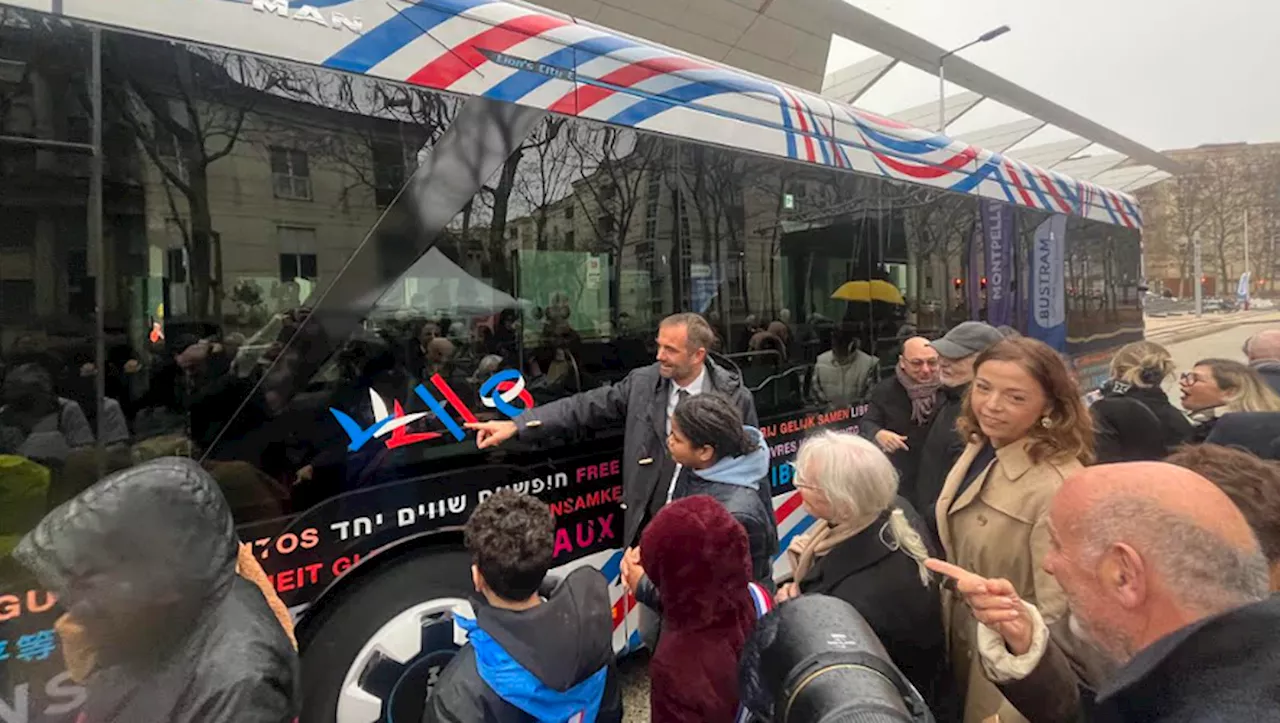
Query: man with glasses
(901, 407)
(957, 351)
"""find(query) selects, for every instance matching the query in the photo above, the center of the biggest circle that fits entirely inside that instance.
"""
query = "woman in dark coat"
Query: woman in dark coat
(1134, 421)
(868, 548)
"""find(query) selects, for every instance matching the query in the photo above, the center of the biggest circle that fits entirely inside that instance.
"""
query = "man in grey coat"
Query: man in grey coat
(643, 401)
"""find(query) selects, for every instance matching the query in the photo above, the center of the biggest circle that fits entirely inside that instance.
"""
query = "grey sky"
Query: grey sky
(1166, 73)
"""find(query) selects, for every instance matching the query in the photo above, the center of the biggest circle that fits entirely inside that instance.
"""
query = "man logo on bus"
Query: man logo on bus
(498, 392)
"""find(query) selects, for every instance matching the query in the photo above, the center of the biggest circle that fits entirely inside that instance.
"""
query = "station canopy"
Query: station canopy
(791, 40)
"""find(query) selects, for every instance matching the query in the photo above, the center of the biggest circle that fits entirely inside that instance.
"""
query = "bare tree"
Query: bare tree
(938, 229)
(1226, 198)
(187, 107)
(613, 166)
(546, 176)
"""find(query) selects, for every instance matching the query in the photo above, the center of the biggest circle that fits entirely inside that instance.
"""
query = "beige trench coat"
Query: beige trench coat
(998, 528)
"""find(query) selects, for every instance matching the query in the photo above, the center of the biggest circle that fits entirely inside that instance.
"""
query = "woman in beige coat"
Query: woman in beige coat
(1027, 429)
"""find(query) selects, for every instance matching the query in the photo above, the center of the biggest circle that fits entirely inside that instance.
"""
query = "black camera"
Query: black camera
(816, 660)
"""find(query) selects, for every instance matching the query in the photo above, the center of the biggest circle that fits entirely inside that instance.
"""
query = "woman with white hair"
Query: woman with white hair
(868, 548)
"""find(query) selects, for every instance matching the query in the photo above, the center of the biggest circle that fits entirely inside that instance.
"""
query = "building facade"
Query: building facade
(1229, 197)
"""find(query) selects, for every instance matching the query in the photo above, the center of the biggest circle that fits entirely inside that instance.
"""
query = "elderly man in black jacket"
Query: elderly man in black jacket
(1166, 580)
(957, 351)
(643, 401)
(901, 407)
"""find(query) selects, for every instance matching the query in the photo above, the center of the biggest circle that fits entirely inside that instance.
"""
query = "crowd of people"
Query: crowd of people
(1021, 554)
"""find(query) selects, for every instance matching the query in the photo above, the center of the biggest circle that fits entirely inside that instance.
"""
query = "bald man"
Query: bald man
(900, 408)
(1263, 352)
(1166, 580)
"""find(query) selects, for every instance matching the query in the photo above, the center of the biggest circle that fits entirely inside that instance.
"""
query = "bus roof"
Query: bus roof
(510, 51)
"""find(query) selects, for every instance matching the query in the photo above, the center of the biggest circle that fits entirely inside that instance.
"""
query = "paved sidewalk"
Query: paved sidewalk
(1175, 329)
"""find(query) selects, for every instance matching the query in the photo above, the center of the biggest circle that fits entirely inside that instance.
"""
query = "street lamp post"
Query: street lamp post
(942, 71)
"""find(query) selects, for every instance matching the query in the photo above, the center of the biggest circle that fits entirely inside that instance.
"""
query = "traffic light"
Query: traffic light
(984, 282)
(957, 282)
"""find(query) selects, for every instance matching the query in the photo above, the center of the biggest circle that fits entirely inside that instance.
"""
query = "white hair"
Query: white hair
(860, 483)
(1202, 570)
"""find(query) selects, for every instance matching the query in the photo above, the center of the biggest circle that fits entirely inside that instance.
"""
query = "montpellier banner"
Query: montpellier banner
(998, 234)
(1046, 304)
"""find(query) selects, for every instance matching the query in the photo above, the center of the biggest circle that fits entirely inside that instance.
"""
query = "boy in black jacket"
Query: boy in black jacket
(528, 657)
(717, 456)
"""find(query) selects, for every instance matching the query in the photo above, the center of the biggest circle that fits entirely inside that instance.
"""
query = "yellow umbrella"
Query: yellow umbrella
(876, 290)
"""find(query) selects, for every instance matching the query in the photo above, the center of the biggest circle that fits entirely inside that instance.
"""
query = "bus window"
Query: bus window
(591, 230)
(770, 246)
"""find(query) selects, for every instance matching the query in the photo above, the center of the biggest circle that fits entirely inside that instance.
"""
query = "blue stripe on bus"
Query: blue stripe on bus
(799, 529)
(611, 568)
(409, 23)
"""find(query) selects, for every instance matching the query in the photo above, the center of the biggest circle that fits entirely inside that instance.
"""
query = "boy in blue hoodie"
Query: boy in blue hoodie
(718, 456)
(533, 655)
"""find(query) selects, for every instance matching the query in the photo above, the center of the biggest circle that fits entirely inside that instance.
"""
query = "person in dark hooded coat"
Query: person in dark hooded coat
(533, 654)
(695, 552)
(144, 563)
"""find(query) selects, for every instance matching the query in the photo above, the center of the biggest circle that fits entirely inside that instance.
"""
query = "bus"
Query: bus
(318, 237)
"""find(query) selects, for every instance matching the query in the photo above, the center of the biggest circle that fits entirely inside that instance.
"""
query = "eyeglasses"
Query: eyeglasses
(1189, 378)
(797, 480)
(919, 363)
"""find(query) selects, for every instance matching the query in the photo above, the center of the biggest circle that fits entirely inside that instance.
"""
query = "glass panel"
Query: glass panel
(1102, 277)
(769, 246)
(939, 249)
(48, 409)
(585, 206)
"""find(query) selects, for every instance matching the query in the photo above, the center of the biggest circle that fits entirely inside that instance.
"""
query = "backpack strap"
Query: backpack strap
(763, 602)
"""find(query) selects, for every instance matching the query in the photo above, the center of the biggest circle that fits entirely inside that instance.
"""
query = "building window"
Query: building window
(297, 253)
(568, 240)
(17, 297)
(19, 228)
(290, 174)
(176, 265)
(652, 197)
(169, 151)
(608, 226)
(298, 266)
(390, 168)
(683, 215)
(568, 210)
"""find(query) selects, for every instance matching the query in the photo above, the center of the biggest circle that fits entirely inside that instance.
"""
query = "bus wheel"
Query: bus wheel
(375, 653)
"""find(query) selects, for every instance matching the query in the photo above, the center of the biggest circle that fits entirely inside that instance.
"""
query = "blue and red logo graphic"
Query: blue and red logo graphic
(498, 392)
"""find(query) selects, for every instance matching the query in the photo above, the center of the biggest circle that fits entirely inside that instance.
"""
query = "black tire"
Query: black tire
(347, 623)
